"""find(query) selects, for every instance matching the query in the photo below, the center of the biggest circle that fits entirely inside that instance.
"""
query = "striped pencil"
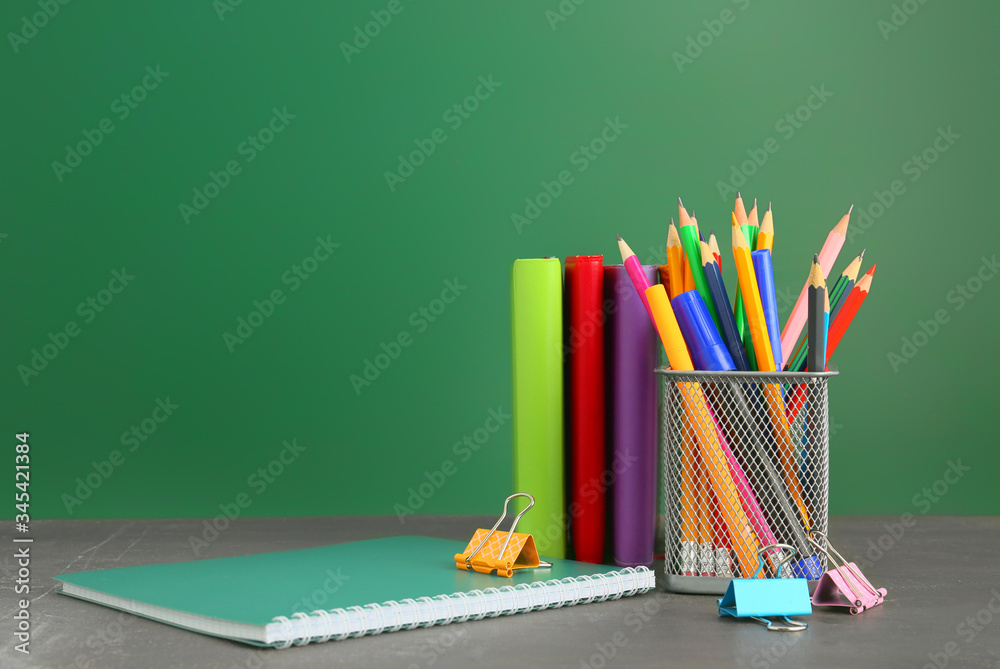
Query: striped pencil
(827, 257)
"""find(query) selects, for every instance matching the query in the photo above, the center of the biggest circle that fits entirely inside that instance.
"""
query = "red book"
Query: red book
(584, 372)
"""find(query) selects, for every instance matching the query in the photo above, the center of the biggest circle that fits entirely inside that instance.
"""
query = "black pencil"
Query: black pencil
(816, 354)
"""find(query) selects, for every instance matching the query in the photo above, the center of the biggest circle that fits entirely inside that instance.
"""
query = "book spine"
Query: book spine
(343, 623)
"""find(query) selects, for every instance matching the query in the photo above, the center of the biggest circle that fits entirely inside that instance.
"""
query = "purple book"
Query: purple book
(631, 418)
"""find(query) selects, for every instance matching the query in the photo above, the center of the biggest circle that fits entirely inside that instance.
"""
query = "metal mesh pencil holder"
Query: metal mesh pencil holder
(746, 464)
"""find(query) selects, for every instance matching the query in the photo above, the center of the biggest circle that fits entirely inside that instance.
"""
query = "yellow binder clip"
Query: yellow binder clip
(500, 553)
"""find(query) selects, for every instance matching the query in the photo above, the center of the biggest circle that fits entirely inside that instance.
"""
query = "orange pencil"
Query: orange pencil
(765, 237)
(676, 263)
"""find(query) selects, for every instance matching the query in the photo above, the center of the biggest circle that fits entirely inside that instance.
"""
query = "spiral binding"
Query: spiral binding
(374, 619)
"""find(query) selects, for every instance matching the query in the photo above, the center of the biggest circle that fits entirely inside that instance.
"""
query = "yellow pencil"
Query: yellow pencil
(696, 411)
(765, 361)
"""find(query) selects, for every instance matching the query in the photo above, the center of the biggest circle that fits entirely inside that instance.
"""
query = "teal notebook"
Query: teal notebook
(344, 590)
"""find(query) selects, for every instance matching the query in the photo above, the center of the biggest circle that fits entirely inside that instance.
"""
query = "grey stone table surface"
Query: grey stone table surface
(943, 608)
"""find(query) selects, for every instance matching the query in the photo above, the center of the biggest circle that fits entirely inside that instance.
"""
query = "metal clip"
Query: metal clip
(510, 532)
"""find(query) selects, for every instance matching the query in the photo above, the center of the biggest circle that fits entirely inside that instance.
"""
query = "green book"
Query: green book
(340, 591)
(536, 307)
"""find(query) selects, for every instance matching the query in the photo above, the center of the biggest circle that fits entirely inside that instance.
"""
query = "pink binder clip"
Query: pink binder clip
(844, 585)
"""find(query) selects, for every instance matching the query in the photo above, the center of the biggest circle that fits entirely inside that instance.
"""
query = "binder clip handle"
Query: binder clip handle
(789, 626)
(785, 559)
(510, 533)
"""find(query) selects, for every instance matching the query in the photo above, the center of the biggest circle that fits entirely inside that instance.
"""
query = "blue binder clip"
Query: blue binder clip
(777, 597)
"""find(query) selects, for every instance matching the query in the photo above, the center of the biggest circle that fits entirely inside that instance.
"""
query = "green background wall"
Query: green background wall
(323, 175)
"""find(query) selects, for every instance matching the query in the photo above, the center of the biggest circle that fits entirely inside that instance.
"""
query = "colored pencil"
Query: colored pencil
(635, 272)
(692, 250)
(741, 535)
(815, 358)
(740, 210)
(850, 277)
(766, 363)
(848, 311)
(836, 296)
(751, 300)
(675, 261)
(765, 238)
(827, 257)
(716, 286)
(713, 244)
(750, 229)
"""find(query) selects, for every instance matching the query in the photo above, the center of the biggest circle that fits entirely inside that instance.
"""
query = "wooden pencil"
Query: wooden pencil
(765, 237)
(675, 261)
(692, 250)
(816, 358)
(848, 311)
(827, 257)
(849, 277)
(713, 244)
(836, 296)
(739, 210)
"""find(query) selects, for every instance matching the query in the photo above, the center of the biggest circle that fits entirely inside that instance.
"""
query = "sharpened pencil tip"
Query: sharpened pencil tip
(738, 196)
(850, 210)
(679, 202)
(769, 206)
(816, 258)
(672, 221)
(619, 237)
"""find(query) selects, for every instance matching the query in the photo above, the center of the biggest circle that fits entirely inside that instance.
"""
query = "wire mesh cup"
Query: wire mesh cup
(746, 464)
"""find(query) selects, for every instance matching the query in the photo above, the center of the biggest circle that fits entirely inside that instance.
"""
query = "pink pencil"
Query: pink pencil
(827, 257)
(635, 272)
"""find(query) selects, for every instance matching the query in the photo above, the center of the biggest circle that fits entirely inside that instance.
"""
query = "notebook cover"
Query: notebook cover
(584, 378)
(632, 414)
(254, 589)
(536, 337)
